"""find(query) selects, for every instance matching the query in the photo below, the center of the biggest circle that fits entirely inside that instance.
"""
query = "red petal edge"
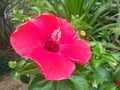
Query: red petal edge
(78, 51)
(25, 39)
(54, 66)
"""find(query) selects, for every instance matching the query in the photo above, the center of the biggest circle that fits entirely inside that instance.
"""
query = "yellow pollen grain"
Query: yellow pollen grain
(82, 33)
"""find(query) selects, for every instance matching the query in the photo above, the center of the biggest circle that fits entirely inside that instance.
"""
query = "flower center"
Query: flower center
(53, 44)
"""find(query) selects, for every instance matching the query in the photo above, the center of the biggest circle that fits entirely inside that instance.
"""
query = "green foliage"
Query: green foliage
(104, 65)
(27, 9)
(79, 82)
(73, 83)
(19, 17)
(29, 68)
(84, 15)
(100, 55)
(12, 64)
(95, 18)
(14, 75)
(4, 68)
(25, 78)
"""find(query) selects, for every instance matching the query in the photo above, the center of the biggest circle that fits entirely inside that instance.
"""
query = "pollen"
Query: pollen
(56, 35)
(82, 33)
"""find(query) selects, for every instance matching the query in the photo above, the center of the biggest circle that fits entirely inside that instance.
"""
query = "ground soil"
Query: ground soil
(7, 84)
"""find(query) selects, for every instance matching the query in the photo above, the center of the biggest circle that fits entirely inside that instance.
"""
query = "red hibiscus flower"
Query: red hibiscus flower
(51, 43)
(118, 83)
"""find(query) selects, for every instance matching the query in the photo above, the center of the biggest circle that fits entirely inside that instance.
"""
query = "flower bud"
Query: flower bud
(114, 64)
(15, 62)
(82, 33)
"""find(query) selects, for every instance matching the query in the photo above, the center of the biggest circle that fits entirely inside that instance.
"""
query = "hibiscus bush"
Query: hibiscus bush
(67, 45)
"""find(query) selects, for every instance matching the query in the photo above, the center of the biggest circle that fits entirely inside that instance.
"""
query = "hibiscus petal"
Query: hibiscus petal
(78, 51)
(46, 23)
(54, 66)
(67, 32)
(25, 39)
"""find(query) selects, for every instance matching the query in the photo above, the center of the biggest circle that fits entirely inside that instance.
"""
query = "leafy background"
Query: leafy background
(100, 19)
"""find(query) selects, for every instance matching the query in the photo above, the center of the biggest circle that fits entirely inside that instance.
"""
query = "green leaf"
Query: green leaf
(66, 84)
(75, 7)
(101, 74)
(95, 15)
(79, 82)
(116, 56)
(39, 83)
(116, 31)
(30, 68)
(98, 49)
(20, 63)
(107, 86)
(108, 57)
(91, 3)
(12, 64)
(117, 70)
(14, 75)
(77, 21)
(105, 27)
(81, 70)
(97, 62)
(112, 46)
(25, 78)
(92, 44)
(37, 9)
